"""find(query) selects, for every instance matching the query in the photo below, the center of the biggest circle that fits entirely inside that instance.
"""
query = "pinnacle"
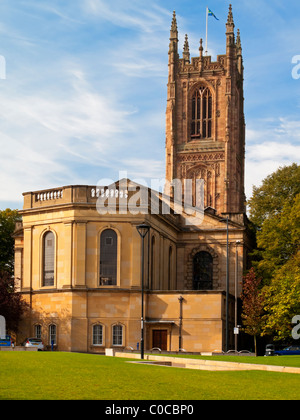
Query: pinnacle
(186, 47)
(174, 23)
(230, 16)
(238, 39)
(201, 47)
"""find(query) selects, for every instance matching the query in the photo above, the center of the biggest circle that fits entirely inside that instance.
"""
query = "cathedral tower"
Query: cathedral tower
(205, 125)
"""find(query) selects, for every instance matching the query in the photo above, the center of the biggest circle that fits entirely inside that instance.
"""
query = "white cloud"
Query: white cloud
(270, 145)
(143, 168)
(48, 132)
(128, 14)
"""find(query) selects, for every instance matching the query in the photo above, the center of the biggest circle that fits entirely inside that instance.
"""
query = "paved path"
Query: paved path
(206, 364)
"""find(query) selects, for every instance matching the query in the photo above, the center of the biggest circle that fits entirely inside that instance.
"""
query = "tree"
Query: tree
(276, 190)
(8, 219)
(12, 305)
(282, 300)
(279, 239)
(252, 305)
(275, 212)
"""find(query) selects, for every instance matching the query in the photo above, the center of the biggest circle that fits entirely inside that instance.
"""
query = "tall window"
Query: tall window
(52, 334)
(152, 266)
(170, 268)
(203, 271)
(108, 258)
(201, 125)
(48, 259)
(117, 335)
(97, 335)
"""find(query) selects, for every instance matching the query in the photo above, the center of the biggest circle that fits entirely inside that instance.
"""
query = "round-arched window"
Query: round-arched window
(108, 257)
(48, 258)
(203, 271)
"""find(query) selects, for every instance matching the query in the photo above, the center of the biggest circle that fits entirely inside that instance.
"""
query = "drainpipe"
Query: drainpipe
(180, 321)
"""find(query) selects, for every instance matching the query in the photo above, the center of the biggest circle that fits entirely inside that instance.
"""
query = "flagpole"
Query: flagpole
(206, 30)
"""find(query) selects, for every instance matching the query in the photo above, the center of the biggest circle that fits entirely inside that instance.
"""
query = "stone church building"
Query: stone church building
(78, 253)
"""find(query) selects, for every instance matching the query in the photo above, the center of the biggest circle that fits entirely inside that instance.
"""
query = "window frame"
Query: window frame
(114, 335)
(36, 333)
(42, 259)
(51, 334)
(203, 282)
(201, 120)
(102, 335)
(118, 258)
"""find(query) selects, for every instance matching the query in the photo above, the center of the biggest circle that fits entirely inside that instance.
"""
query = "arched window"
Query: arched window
(117, 335)
(201, 125)
(48, 259)
(203, 271)
(97, 335)
(108, 257)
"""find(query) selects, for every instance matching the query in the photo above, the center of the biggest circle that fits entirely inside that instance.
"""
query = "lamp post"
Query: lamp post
(237, 243)
(227, 286)
(142, 229)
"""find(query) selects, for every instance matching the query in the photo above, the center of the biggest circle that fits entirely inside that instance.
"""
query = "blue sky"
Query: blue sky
(83, 90)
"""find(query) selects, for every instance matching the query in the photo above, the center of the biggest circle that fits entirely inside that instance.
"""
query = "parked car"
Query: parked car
(5, 342)
(291, 350)
(34, 342)
(269, 350)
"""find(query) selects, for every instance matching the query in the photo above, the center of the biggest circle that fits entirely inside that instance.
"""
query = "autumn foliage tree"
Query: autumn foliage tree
(252, 306)
(12, 305)
(8, 219)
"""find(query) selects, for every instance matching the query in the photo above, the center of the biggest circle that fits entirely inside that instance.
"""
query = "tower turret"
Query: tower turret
(171, 99)
(205, 130)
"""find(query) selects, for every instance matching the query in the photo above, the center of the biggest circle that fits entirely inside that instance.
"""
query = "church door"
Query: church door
(159, 339)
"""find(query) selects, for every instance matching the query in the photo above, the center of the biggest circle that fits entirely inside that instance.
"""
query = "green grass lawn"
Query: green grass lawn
(65, 376)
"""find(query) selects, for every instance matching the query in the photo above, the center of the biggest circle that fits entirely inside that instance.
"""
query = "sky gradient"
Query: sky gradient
(83, 87)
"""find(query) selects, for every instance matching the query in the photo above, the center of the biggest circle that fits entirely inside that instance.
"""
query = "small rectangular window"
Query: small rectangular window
(117, 335)
(38, 331)
(52, 334)
(97, 335)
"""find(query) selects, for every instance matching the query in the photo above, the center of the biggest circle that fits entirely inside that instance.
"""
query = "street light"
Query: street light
(227, 286)
(142, 229)
(237, 243)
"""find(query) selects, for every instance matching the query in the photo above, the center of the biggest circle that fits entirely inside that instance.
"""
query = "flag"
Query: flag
(210, 13)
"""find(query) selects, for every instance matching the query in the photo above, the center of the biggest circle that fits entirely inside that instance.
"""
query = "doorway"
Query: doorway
(160, 339)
